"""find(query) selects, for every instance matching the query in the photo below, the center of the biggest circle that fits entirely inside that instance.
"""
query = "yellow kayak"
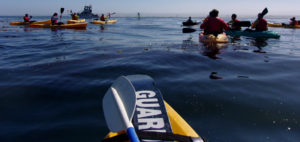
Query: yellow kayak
(76, 21)
(104, 22)
(210, 38)
(26, 23)
(274, 24)
(63, 26)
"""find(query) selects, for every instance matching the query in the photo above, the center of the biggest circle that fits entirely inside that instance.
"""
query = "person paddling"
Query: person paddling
(293, 21)
(189, 20)
(27, 18)
(213, 24)
(260, 23)
(54, 19)
(75, 16)
(234, 23)
(102, 18)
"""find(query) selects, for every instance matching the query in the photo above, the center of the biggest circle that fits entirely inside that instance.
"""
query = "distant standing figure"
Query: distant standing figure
(102, 18)
(293, 21)
(234, 22)
(260, 24)
(27, 18)
(213, 24)
(54, 19)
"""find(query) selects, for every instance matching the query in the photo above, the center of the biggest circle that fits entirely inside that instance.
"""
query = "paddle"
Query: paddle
(119, 105)
(61, 12)
(264, 12)
(242, 23)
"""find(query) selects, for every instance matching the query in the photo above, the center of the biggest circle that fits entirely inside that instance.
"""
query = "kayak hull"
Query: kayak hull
(26, 23)
(104, 22)
(76, 21)
(274, 24)
(210, 38)
(254, 34)
(190, 23)
(63, 26)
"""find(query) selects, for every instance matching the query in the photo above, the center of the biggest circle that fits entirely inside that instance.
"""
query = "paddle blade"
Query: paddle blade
(242, 23)
(62, 10)
(188, 30)
(114, 110)
(265, 11)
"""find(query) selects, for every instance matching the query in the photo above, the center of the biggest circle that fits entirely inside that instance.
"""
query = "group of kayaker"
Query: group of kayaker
(216, 25)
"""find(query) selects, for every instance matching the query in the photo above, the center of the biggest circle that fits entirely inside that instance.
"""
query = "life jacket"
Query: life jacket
(102, 18)
(214, 25)
(294, 23)
(54, 20)
(260, 25)
(26, 19)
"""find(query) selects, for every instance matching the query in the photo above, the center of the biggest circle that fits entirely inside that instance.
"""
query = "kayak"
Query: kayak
(104, 22)
(210, 38)
(76, 21)
(28, 23)
(255, 34)
(153, 118)
(292, 27)
(190, 23)
(274, 24)
(63, 26)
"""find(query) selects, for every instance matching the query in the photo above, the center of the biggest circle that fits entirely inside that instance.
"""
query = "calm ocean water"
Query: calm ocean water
(52, 82)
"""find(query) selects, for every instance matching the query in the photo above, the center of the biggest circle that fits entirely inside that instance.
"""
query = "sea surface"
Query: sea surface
(52, 81)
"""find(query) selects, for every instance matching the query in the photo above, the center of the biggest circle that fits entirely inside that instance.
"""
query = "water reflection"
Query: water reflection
(211, 50)
(259, 43)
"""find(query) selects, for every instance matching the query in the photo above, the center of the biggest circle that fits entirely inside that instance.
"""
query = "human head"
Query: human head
(233, 16)
(26, 15)
(214, 13)
(293, 19)
(259, 16)
(55, 14)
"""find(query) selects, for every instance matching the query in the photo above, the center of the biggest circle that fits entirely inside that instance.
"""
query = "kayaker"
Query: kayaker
(260, 23)
(54, 19)
(27, 18)
(189, 20)
(102, 18)
(233, 22)
(75, 16)
(214, 24)
(293, 21)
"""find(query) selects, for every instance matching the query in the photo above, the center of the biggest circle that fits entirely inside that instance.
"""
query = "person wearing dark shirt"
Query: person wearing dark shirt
(54, 19)
(213, 24)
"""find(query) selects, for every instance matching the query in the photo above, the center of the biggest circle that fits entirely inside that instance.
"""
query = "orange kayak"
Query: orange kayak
(63, 26)
(76, 21)
(29, 23)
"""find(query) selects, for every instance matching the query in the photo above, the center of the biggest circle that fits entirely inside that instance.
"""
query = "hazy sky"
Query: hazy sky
(155, 7)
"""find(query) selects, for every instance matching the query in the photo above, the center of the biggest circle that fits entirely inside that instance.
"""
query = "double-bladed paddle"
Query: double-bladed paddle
(119, 104)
